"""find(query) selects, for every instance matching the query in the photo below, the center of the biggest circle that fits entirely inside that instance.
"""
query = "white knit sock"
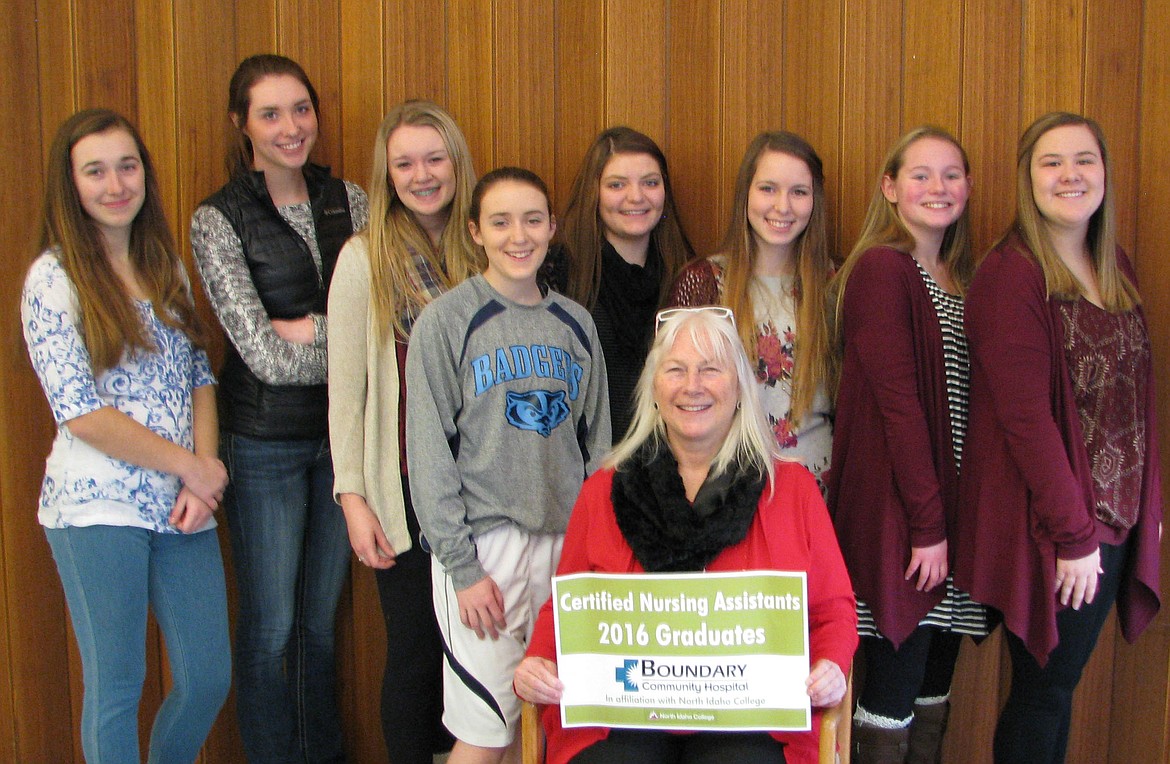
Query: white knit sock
(870, 719)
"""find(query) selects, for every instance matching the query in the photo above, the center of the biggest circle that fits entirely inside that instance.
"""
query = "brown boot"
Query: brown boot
(876, 745)
(927, 731)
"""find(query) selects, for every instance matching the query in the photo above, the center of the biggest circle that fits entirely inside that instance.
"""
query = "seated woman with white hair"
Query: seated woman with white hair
(697, 485)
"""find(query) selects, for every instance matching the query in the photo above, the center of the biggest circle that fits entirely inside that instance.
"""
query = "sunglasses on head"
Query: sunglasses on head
(663, 316)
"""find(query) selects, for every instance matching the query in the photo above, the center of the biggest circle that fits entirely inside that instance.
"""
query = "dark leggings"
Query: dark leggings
(655, 747)
(1033, 726)
(412, 685)
(921, 668)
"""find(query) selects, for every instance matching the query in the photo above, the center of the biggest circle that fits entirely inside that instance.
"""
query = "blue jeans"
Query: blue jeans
(111, 575)
(291, 554)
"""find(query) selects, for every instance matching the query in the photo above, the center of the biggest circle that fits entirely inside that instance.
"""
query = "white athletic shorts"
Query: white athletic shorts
(479, 705)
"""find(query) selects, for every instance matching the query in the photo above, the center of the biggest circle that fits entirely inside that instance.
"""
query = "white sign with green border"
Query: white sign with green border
(687, 651)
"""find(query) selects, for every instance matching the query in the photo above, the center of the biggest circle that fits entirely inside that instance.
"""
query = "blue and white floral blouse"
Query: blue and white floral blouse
(84, 486)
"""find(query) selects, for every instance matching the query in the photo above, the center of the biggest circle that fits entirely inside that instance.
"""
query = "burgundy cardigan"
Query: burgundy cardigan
(1027, 492)
(893, 483)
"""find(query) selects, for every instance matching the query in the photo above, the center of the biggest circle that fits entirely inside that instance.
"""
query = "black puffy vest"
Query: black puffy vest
(285, 277)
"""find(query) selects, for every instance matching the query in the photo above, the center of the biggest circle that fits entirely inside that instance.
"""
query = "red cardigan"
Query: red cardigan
(791, 531)
(1027, 491)
(893, 484)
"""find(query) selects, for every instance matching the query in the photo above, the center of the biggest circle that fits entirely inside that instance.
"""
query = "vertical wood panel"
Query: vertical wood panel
(693, 120)
(751, 94)
(1112, 97)
(523, 63)
(310, 35)
(469, 77)
(424, 62)
(579, 101)
(35, 675)
(1052, 65)
(363, 100)
(255, 28)
(636, 65)
(361, 639)
(812, 103)
(1141, 711)
(54, 51)
(989, 127)
(105, 62)
(205, 57)
(871, 116)
(931, 63)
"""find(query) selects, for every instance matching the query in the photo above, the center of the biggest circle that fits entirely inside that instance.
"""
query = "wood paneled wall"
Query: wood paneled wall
(531, 82)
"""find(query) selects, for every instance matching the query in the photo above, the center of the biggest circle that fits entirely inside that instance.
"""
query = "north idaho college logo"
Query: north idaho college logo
(626, 675)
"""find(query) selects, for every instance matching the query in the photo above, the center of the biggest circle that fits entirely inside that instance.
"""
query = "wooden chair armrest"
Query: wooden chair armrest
(836, 728)
(531, 735)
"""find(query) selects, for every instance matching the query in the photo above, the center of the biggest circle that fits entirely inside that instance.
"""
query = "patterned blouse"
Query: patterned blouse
(1109, 358)
(84, 486)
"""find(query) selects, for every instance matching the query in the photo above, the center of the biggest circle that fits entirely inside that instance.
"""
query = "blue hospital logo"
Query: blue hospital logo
(626, 675)
(537, 410)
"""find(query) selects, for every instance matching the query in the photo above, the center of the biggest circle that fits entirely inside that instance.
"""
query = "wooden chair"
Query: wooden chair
(531, 735)
(836, 728)
(836, 725)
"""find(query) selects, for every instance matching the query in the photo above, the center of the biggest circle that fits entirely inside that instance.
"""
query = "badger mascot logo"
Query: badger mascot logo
(538, 410)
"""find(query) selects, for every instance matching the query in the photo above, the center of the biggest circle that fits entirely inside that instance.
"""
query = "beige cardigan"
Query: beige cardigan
(363, 397)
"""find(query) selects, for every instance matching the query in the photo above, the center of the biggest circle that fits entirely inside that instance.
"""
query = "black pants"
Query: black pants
(922, 667)
(654, 747)
(412, 685)
(1034, 724)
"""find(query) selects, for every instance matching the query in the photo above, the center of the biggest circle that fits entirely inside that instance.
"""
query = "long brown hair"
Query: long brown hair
(250, 71)
(110, 322)
(393, 232)
(581, 232)
(1117, 292)
(810, 259)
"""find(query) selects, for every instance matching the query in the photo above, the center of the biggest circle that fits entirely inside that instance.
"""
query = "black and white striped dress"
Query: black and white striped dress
(957, 612)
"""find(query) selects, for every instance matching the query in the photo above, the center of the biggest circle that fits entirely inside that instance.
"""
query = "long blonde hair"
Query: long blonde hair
(883, 227)
(393, 233)
(1117, 292)
(810, 258)
(110, 322)
(750, 444)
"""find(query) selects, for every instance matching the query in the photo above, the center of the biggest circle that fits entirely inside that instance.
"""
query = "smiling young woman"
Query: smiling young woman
(133, 480)
(619, 246)
(415, 249)
(774, 266)
(1060, 506)
(266, 245)
(898, 442)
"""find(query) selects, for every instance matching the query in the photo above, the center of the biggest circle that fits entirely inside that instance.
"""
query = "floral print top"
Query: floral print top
(811, 443)
(82, 485)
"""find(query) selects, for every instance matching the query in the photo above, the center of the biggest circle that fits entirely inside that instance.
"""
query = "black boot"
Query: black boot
(927, 731)
(877, 745)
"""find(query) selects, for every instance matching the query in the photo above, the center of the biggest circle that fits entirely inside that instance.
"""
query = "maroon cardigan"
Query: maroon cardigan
(893, 484)
(1027, 492)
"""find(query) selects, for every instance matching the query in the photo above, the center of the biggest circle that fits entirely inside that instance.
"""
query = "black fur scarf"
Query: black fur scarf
(670, 534)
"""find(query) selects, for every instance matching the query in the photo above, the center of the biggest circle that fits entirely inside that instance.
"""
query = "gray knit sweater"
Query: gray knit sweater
(507, 414)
